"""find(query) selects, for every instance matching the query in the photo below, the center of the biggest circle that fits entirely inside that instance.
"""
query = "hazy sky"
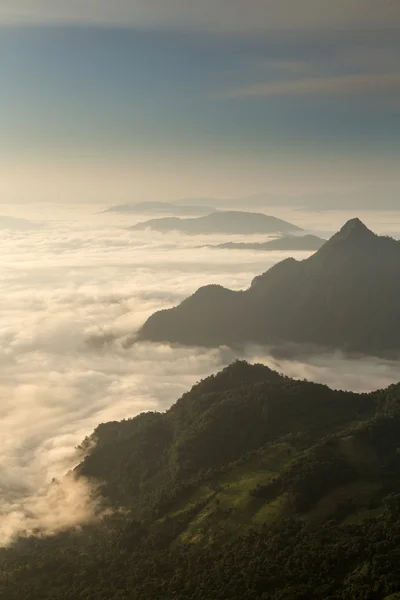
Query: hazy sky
(157, 99)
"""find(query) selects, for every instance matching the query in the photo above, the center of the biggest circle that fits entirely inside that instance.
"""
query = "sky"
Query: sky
(75, 285)
(154, 100)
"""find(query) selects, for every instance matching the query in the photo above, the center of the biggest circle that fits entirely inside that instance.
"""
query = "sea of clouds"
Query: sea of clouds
(75, 284)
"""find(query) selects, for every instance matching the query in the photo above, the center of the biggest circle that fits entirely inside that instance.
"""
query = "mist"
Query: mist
(72, 294)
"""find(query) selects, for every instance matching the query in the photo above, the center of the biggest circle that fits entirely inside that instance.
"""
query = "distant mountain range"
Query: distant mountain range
(346, 296)
(160, 208)
(224, 222)
(288, 242)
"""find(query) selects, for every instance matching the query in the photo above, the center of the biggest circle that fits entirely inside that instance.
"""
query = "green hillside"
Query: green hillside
(253, 485)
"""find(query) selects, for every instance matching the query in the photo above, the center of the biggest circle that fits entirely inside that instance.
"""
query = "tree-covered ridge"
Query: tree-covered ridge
(252, 486)
(243, 409)
(344, 296)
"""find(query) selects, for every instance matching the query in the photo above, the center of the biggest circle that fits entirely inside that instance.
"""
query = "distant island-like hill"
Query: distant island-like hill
(345, 296)
(286, 242)
(224, 222)
(160, 208)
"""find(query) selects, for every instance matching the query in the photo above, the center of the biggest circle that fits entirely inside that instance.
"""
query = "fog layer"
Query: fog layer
(72, 294)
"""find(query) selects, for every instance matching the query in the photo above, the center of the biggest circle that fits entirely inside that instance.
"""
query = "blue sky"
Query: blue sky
(275, 91)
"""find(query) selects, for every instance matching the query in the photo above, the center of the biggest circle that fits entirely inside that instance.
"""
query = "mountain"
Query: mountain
(346, 296)
(229, 222)
(152, 463)
(160, 208)
(286, 242)
(253, 486)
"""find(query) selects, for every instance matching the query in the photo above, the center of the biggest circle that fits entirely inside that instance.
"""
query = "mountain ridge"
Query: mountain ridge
(226, 222)
(239, 490)
(306, 242)
(344, 296)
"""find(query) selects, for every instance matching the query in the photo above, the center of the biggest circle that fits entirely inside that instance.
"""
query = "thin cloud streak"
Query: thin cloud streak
(378, 83)
(209, 15)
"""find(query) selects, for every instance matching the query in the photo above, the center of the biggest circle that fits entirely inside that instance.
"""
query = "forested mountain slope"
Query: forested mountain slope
(252, 486)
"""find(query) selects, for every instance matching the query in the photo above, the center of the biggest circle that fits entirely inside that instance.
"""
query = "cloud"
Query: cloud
(15, 224)
(70, 296)
(379, 84)
(209, 15)
(61, 505)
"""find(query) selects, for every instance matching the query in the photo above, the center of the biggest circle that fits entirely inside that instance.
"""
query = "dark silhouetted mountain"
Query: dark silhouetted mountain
(288, 242)
(160, 208)
(253, 486)
(230, 222)
(346, 296)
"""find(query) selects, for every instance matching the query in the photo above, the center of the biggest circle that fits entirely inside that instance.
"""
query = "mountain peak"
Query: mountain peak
(353, 232)
(354, 226)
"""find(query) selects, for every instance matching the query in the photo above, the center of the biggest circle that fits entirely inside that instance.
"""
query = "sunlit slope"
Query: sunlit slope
(249, 446)
(253, 486)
